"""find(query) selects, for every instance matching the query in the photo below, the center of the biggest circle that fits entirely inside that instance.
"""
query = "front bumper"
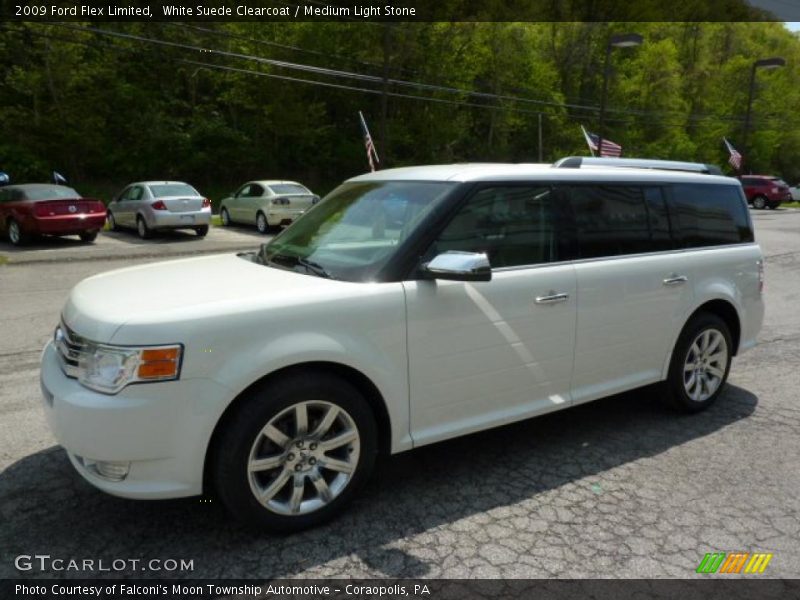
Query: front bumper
(161, 429)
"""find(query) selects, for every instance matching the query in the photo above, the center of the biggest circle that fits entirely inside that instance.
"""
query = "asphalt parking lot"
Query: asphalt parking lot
(618, 488)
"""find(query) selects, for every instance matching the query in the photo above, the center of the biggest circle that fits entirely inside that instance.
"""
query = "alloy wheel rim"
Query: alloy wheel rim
(303, 458)
(261, 221)
(111, 222)
(13, 232)
(141, 228)
(705, 364)
(759, 202)
(225, 217)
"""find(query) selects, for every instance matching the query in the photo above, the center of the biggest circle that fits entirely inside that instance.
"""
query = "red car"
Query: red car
(46, 209)
(765, 191)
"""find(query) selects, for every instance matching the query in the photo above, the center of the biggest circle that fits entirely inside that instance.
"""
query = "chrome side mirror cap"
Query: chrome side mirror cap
(459, 266)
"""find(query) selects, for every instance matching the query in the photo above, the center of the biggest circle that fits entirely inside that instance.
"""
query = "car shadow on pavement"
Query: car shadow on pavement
(47, 508)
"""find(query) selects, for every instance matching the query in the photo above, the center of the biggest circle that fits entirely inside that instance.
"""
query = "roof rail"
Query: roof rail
(576, 162)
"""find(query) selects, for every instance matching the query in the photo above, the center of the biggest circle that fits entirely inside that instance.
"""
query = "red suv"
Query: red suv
(765, 191)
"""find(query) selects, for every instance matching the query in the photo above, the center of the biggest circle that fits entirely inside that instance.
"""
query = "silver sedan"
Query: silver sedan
(268, 204)
(152, 205)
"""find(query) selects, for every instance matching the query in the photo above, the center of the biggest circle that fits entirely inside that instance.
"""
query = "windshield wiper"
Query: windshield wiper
(286, 260)
(314, 267)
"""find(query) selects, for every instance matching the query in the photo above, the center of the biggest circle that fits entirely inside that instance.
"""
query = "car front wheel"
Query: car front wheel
(295, 451)
(225, 217)
(759, 202)
(700, 363)
(112, 222)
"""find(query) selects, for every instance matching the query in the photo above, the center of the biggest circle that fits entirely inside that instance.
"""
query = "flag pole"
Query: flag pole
(586, 137)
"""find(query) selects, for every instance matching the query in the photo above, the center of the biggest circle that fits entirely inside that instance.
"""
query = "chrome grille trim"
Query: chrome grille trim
(71, 348)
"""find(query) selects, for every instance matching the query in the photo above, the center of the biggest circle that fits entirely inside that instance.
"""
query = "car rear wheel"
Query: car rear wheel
(295, 451)
(142, 229)
(15, 234)
(112, 222)
(760, 202)
(202, 231)
(88, 236)
(700, 363)
(261, 222)
(225, 217)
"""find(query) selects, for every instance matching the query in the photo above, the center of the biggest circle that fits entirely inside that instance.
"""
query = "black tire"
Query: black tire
(261, 223)
(225, 217)
(112, 221)
(88, 236)
(242, 431)
(760, 202)
(676, 385)
(16, 235)
(202, 231)
(142, 229)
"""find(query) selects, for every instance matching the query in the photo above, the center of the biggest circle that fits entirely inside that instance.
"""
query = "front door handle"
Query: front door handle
(552, 298)
(676, 279)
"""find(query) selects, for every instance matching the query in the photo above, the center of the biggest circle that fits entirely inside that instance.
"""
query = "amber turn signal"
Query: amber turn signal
(159, 363)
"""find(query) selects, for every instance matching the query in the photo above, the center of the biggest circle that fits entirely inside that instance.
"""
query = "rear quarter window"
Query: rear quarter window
(709, 215)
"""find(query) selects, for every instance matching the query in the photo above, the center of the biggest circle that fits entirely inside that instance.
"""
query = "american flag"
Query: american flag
(735, 157)
(372, 154)
(609, 148)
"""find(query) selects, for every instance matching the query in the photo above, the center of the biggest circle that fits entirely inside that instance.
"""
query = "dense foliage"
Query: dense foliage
(105, 109)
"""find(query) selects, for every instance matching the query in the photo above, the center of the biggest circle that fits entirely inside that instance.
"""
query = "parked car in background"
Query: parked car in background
(765, 191)
(267, 204)
(152, 205)
(35, 209)
(410, 306)
(795, 192)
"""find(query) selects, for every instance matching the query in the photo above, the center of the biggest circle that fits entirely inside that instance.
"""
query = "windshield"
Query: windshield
(288, 188)
(50, 192)
(173, 189)
(354, 232)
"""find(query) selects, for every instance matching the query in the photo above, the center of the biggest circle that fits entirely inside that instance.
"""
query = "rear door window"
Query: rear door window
(611, 220)
(709, 215)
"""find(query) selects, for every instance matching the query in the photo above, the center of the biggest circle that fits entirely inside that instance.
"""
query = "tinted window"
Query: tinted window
(256, 191)
(709, 215)
(288, 188)
(612, 220)
(513, 225)
(172, 189)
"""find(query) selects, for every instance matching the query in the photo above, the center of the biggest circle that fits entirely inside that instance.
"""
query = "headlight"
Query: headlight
(108, 369)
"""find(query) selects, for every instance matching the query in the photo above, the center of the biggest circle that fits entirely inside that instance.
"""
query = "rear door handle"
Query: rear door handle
(552, 298)
(676, 280)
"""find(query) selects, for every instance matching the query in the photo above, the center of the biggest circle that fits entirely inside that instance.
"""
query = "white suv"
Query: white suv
(410, 306)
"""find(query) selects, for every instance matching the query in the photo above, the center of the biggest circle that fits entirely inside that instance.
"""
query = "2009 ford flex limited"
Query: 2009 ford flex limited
(409, 306)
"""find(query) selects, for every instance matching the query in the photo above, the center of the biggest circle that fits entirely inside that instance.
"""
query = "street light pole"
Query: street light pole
(619, 40)
(764, 63)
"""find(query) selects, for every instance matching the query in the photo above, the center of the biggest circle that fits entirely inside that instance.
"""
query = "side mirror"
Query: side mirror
(459, 266)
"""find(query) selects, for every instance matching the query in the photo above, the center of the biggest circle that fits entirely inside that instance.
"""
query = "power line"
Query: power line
(316, 70)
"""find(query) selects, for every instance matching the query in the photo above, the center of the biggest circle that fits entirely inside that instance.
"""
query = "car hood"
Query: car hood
(184, 290)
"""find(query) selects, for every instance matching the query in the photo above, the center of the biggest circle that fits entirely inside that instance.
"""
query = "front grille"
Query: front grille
(71, 347)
